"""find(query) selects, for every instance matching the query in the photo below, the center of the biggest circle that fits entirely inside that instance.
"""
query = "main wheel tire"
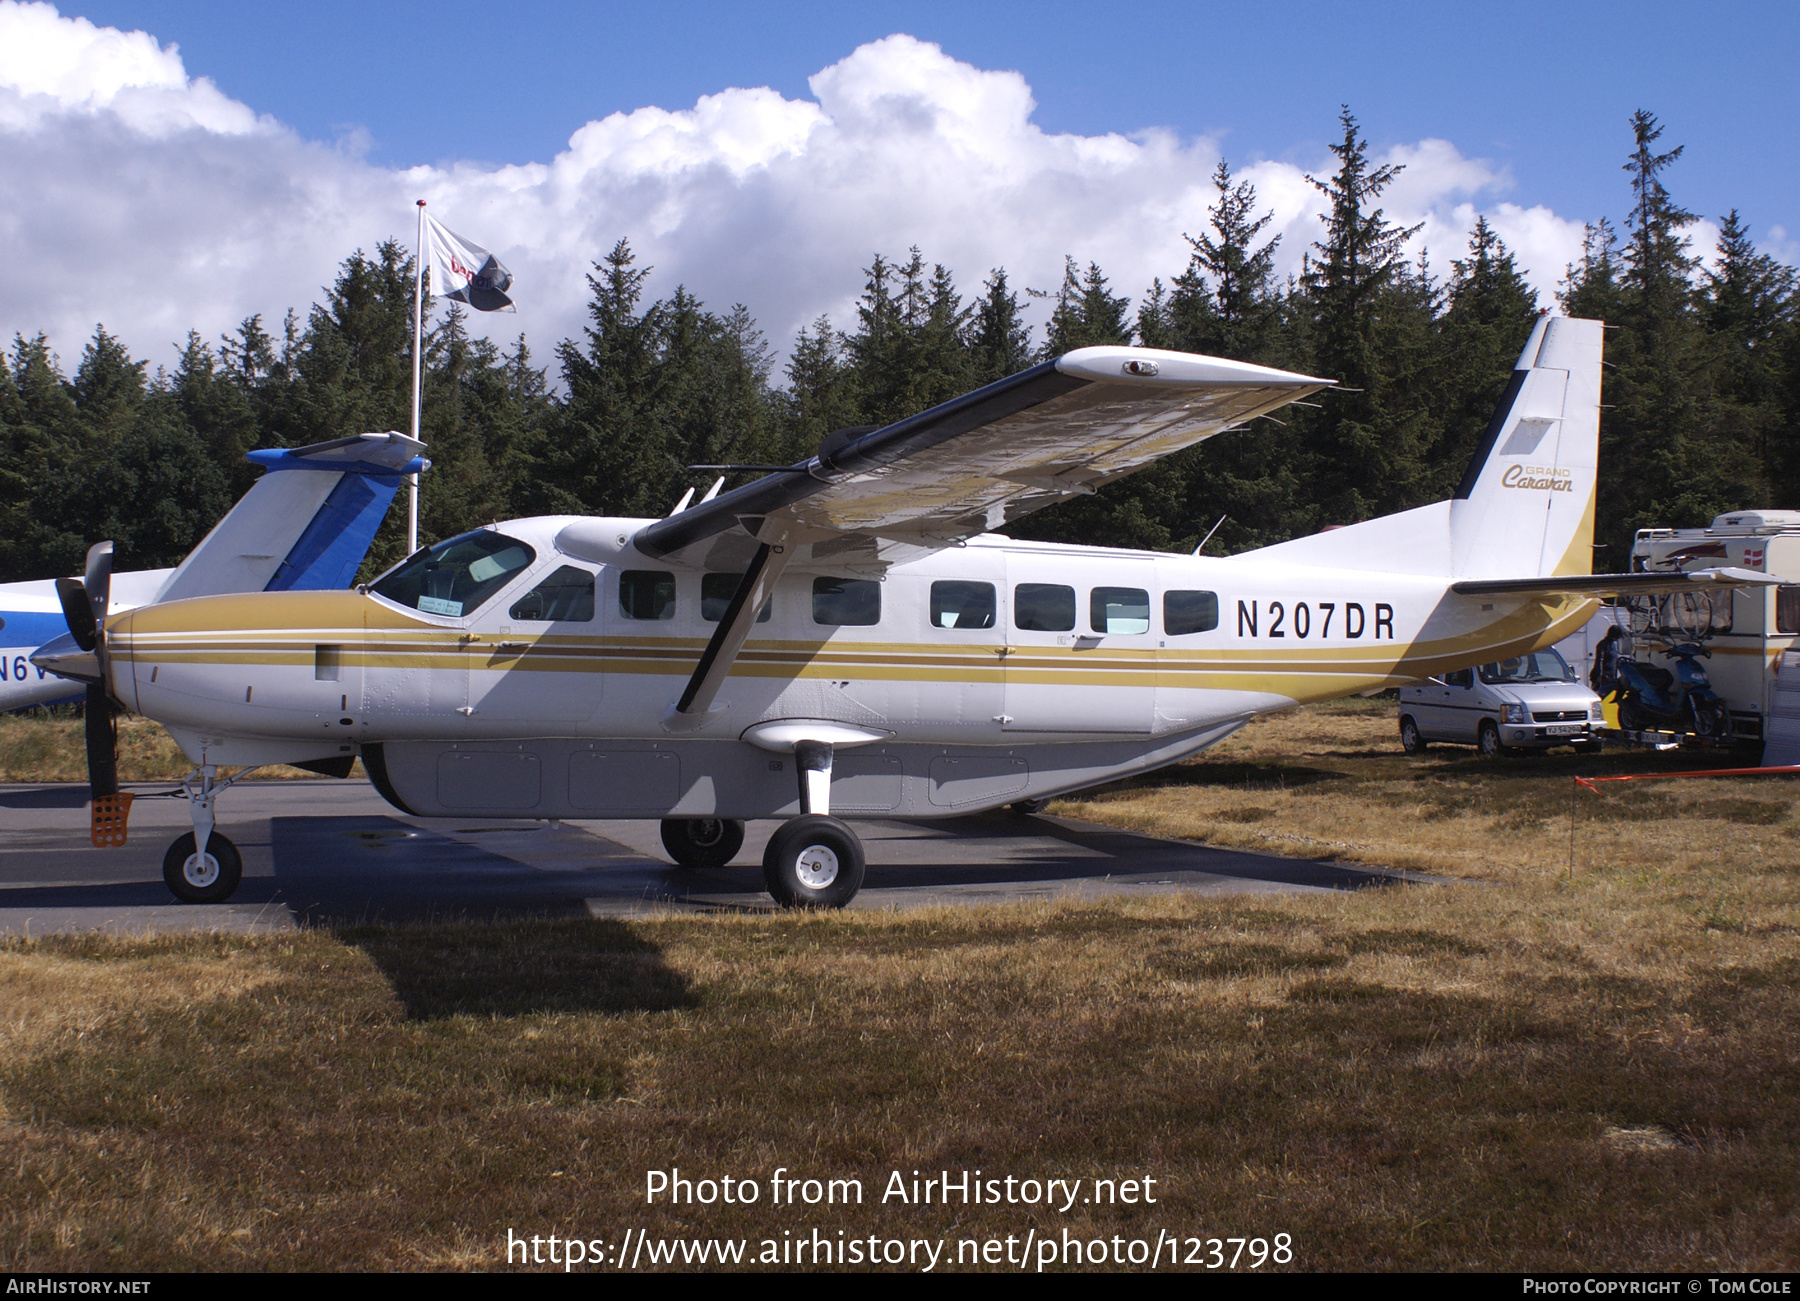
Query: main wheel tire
(1025, 808)
(1410, 739)
(1487, 739)
(813, 862)
(202, 878)
(702, 842)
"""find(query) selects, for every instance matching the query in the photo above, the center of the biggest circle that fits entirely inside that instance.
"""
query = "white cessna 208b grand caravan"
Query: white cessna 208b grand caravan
(850, 635)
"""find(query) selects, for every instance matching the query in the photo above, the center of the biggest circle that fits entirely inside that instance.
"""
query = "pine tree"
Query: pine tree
(217, 408)
(1668, 454)
(606, 460)
(1490, 314)
(1000, 340)
(1368, 450)
(109, 385)
(1221, 304)
(821, 392)
(1087, 312)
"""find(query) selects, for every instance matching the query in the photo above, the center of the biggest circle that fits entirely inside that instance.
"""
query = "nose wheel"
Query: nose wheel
(203, 866)
(196, 877)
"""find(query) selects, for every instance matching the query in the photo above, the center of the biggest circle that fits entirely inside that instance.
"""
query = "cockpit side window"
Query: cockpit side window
(566, 596)
(456, 576)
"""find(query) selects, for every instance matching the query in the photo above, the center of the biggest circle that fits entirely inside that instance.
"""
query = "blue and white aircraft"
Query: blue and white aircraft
(290, 533)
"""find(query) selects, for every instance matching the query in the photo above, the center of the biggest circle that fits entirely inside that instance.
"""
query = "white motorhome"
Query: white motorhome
(1746, 629)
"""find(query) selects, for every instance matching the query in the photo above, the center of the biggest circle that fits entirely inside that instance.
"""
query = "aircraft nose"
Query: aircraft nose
(64, 658)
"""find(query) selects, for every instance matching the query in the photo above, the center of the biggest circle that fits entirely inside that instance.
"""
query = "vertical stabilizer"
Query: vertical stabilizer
(306, 524)
(1526, 504)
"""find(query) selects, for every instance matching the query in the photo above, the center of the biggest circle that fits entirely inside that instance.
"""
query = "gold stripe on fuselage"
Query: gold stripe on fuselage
(288, 627)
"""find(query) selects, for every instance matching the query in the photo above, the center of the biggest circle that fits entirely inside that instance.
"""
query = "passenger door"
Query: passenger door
(1081, 655)
(533, 654)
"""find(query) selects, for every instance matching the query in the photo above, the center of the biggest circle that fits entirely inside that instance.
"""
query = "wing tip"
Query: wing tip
(1120, 364)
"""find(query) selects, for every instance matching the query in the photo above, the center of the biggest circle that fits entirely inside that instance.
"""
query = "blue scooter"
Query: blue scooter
(1652, 699)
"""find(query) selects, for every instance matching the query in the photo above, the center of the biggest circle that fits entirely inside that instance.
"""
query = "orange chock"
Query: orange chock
(110, 815)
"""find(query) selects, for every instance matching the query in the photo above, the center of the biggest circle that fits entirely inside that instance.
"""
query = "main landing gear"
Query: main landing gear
(702, 842)
(202, 866)
(812, 861)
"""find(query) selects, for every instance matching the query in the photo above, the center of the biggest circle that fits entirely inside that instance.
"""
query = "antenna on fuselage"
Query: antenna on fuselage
(1209, 532)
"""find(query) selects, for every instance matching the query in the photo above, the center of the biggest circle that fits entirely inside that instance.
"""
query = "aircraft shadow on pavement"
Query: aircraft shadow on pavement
(349, 871)
(339, 871)
(61, 796)
(1087, 852)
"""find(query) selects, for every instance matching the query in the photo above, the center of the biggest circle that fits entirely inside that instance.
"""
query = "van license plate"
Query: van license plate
(1563, 729)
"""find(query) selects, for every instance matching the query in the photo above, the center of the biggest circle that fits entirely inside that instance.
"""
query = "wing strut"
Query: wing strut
(728, 638)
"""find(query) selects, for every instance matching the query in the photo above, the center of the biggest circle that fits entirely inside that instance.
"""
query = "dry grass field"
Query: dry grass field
(1526, 1068)
(47, 746)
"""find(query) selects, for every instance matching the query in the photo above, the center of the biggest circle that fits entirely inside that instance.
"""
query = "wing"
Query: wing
(975, 463)
(1650, 584)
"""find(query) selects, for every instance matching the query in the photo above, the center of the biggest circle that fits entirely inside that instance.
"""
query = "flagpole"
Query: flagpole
(412, 490)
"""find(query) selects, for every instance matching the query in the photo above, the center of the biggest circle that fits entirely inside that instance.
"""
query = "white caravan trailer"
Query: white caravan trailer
(1745, 628)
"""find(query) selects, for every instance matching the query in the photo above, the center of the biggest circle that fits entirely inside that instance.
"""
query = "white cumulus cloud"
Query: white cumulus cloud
(144, 198)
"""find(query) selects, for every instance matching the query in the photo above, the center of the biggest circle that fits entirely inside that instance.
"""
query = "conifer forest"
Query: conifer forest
(1702, 387)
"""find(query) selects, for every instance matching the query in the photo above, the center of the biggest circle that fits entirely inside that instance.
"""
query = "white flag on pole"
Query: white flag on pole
(465, 272)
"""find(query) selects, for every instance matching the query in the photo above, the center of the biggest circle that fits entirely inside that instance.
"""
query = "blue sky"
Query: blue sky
(1543, 89)
(176, 165)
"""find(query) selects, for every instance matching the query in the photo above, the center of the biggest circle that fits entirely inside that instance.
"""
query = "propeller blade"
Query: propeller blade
(102, 728)
(78, 613)
(99, 579)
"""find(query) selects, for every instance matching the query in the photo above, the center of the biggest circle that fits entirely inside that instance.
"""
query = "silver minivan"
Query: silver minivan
(1529, 701)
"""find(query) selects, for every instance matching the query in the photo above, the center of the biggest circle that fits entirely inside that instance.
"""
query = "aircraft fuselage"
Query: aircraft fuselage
(972, 676)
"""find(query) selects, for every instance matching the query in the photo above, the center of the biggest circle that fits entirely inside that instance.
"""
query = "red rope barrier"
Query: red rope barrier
(1589, 782)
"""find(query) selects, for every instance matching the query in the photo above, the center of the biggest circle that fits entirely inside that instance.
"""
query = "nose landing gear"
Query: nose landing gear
(202, 866)
(209, 876)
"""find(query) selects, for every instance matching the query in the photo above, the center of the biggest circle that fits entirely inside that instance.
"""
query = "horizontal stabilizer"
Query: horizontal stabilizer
(1615, 584)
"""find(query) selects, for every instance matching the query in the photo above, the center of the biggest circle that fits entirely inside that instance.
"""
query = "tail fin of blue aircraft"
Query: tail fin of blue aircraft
(306, 531)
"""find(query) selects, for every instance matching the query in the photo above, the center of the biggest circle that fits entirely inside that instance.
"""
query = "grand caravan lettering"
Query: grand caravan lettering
(1538, 477)
(1306, 618)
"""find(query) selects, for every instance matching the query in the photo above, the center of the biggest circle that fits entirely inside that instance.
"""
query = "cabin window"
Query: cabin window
(1119, 609)
(958, 604)
(1185, 612)
(567, 596)
(647, 594)
(851, 602)
(716, 591)
(1044, 607)
(1787, 608)
(454, 577)
(326, 662)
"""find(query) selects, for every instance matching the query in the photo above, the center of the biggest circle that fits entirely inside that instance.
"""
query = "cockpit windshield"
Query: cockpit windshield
(1539, 666)
(454, 577)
